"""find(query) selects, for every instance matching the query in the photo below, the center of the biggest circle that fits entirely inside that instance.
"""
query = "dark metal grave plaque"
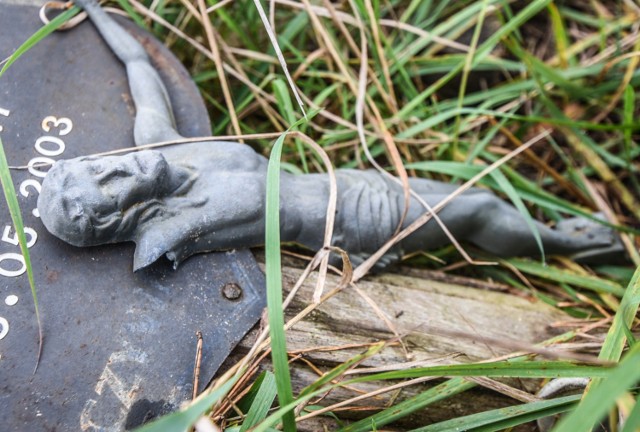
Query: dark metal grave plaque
(119, 347)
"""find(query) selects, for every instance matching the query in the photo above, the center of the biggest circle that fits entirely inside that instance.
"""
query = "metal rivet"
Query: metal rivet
(232, 291)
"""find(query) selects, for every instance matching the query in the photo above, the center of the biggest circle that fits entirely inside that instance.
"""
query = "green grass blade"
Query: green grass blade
(510, 191)
(502, 418)
(631, 339)
(274, 285)
(340, 369)
(519, 369)
(548, 73)
(592, 283)
(237, 429)
(466, 70)
(441, 117)
(629, 117)
(413, 404)
(435, 394)
(525, 189)
(131, 13)
(632, 423)
(239, 29)
(184, 419)
(274, 282)
(16, 217)
(629, 114)
(602, 396)
(483, 50)
(561, 36)
(615, 340)
(286, 109)
(261, 402)
(284, 101)
(39, 35)
(280, 412)
(276, 47)
(244, 404)
(445, 28)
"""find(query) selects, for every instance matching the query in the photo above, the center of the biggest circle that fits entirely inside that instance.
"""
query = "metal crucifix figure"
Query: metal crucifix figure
(192, 198)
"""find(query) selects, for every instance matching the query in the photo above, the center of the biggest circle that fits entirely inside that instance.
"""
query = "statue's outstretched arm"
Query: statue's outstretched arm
(154, 116)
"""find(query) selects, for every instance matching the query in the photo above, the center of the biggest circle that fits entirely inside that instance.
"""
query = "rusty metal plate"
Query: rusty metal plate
(119, 347)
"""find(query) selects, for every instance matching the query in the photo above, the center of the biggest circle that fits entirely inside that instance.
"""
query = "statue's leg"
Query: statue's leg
(154, 116)
(485, 220)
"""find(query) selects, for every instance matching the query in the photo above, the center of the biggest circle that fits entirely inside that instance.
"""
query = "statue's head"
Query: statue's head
(95, 200)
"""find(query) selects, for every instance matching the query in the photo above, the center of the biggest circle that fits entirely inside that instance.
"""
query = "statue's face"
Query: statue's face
(84, 200)
(116, 183)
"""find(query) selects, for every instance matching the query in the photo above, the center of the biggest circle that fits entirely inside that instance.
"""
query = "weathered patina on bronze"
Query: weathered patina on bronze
(199, 197)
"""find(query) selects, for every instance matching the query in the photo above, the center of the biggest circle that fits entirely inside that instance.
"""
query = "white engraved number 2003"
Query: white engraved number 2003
(47, 146)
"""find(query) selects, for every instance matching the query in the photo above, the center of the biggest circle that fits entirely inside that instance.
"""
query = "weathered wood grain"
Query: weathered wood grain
(415, 307)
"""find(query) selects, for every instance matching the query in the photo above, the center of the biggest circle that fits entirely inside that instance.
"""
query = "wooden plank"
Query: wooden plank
(414, 307)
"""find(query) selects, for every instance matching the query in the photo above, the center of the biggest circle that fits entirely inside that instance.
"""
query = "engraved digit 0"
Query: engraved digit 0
(13, 257)
(67, 124)
(4, 327)
(39, 160)
(49, 139)
(31, 233)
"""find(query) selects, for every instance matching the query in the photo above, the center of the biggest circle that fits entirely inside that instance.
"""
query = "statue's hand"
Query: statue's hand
(150, 246)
